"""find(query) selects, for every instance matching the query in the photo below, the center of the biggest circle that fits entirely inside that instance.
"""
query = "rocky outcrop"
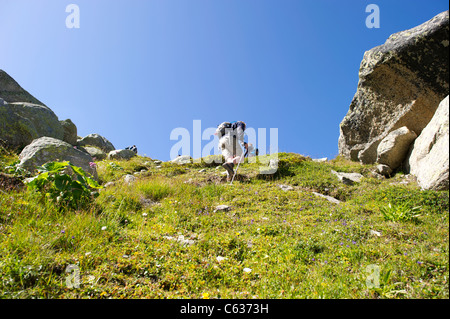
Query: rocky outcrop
(70, 132)
(48, 149)
(22, 122)
(400, 84)
(11, 91)
(394, 147)
(429, 157)
(97, 141)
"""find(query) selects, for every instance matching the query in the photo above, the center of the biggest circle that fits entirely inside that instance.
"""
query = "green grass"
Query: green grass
(160, 237)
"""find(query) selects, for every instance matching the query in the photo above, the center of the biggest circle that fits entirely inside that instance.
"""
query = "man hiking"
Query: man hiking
(230, 136)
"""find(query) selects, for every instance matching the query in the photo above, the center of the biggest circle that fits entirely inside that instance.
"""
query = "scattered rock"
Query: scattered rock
(400, 84)
(394, 148)
(384, 170)
(109, 184)
(121, 155)
(97, 141)
(202, 170)
(348, 178)
(328, 198)
(129, 179)
(375, 233)
(157, 162)
(286, 187)
(320, 160)
(48, 149)
(184, 159)
(222, 208)
(429, 158)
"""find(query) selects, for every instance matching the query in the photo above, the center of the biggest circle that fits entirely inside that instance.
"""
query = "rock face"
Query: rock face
(400, 84)
(48, 149)
(11, 91)
(70, 132)
(429, 158)
(121, 154)
(394, 147)
(97, 141)
(22, 122)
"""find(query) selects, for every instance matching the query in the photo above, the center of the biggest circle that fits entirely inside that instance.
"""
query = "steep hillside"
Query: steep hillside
(158, 230)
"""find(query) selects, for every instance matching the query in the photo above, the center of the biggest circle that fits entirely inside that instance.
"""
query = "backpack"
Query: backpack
(221, 129)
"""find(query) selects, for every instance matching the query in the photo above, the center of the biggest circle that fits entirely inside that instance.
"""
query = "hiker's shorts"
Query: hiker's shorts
(230, 147)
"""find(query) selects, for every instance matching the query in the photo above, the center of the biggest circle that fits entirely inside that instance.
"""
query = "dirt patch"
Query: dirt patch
(9, 182)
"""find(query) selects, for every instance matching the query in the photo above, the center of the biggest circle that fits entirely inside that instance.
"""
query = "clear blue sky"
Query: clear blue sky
(137, 69)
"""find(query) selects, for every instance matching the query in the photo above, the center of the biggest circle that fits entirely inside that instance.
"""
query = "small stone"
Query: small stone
(286, 187)
(384, 170)
(222, 208)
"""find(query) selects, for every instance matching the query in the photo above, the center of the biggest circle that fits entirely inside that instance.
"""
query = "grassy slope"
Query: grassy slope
(296, 244)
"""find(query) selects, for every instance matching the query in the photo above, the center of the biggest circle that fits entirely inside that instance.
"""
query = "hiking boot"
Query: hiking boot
(229, 167)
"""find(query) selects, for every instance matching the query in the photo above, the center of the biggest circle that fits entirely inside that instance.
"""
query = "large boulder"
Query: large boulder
(429, 158)
(400, 84)
(121, 154)
(394, 148)
(22, 122)
(48, 149)
(70, 131)
(11, 91)
(97, 141)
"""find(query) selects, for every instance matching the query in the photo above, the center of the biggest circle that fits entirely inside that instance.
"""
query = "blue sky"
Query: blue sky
(137, 69)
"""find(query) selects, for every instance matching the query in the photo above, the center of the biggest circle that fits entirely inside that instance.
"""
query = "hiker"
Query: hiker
(230, 136)
(132, 148)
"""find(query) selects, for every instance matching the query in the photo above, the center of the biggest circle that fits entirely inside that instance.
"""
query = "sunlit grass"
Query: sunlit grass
(159, 237)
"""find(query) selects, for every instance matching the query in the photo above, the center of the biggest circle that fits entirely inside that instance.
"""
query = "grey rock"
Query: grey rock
(222, 208)
(96, 153)
(286, 187)
(400, 84)
(121, 154)
(328, 198)
(129, 179)
(394, 148)
(97, 141)
(48, 149)
(21, 123)
(183, 159)
(202, 170)
(429, 158)
(11, 91)
(348, 178)
(320, 160)
(70, 131)
(384, 170)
